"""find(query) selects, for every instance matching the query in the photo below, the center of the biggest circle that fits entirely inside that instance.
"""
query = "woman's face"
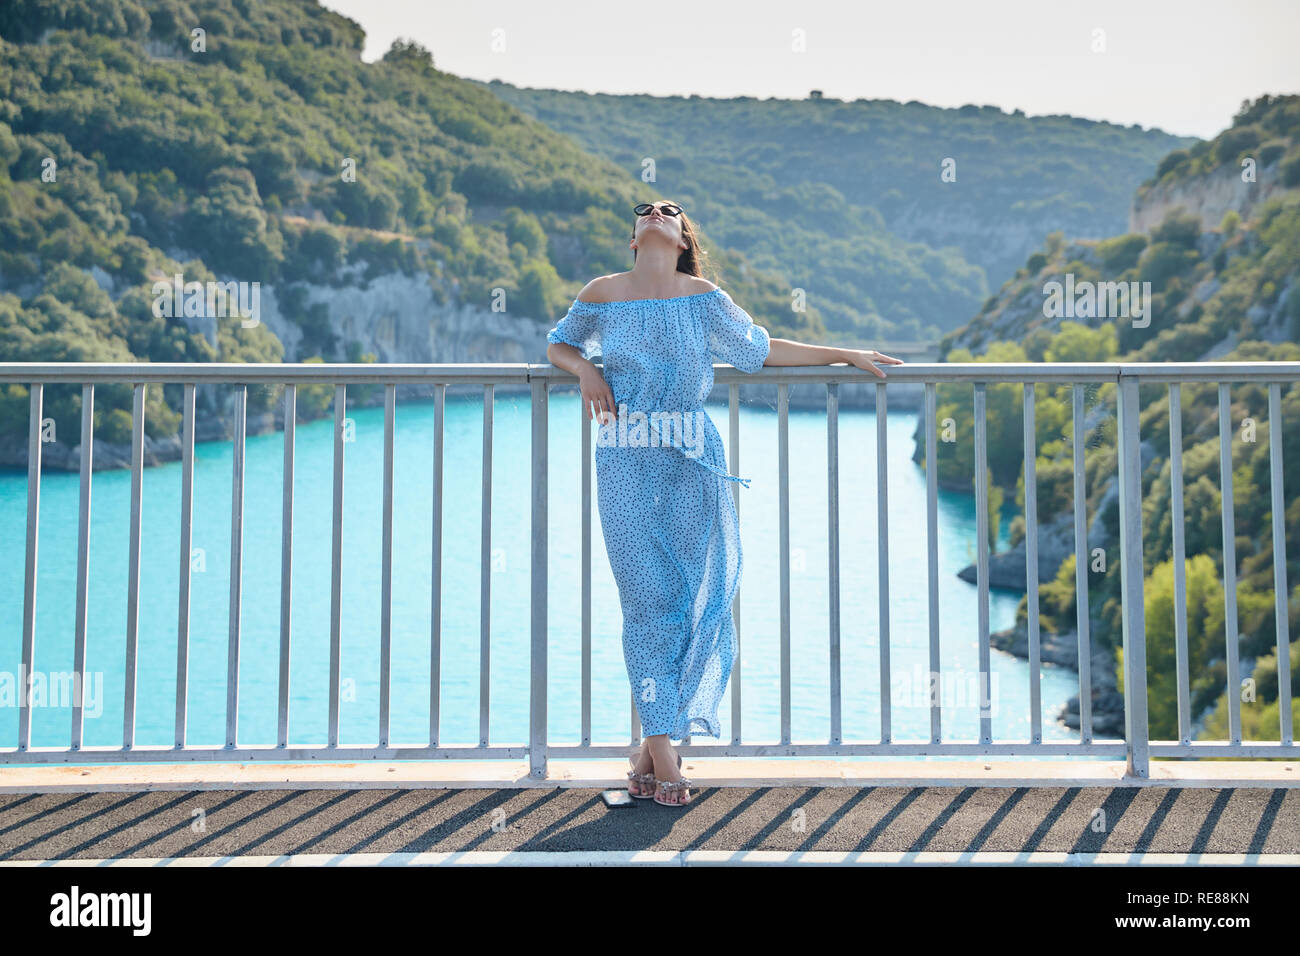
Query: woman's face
(657, 224)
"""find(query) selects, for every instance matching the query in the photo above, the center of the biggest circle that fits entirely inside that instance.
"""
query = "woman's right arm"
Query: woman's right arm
(596, 392)
(579, 326)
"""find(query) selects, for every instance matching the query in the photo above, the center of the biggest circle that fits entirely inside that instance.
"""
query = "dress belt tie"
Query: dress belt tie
(720, 472)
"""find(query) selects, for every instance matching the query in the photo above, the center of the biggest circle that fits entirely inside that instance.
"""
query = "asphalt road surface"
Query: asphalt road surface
(228, 823)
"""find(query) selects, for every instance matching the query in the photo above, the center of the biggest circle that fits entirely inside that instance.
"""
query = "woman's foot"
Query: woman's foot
(645, 787)
(667, 768)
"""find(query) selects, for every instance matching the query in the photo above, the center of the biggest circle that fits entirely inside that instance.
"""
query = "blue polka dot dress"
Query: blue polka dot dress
(669, 522)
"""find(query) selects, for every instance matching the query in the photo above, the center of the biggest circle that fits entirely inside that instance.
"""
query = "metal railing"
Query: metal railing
(1136, 747)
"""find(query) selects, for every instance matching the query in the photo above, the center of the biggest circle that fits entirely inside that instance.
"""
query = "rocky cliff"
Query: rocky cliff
(1208, 196)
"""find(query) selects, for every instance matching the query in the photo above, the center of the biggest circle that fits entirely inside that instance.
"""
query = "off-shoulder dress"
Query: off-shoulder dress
(670, 526)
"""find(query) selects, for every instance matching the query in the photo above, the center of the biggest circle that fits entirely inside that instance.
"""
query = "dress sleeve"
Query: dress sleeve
(580, 328)
(734, 337)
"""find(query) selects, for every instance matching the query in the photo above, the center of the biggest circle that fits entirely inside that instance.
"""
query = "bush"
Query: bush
(1234, 141)
(1172, 161)
(1179, 228)
(363, 203)
(539, 289)
(1122, 252)
(1164, 261)
(523, 228)
(1291, 169)
(410, 55)
(239, 238)
(490, 181)
(1076, 342)
(272, 165)
(1271, 152)
(114, 426)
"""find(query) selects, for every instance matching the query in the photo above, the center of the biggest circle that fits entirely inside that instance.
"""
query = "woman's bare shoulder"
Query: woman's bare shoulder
(698, 284)
(603, 288)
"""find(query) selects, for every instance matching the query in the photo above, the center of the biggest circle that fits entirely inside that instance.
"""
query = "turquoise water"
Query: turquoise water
(412, 548)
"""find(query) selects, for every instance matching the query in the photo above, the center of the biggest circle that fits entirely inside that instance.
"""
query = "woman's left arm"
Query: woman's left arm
(788, 352)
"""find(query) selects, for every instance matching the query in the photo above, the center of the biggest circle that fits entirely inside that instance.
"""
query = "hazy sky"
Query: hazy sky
(1182, 66)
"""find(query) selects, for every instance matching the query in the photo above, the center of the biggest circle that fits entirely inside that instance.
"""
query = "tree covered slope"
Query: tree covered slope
(849, 200)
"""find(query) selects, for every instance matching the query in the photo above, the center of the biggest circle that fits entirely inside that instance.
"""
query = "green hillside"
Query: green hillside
(1231, 294)
(226, 163)
(845, 199)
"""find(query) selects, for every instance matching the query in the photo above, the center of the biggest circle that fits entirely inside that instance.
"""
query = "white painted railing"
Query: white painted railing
(1136, 748)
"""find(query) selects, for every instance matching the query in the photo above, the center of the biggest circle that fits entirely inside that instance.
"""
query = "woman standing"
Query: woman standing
(670, 526)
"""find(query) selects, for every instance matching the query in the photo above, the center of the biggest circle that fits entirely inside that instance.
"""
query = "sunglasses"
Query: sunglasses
(646, 208)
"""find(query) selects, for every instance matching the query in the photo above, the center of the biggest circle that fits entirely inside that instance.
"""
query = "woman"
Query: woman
(669, 522)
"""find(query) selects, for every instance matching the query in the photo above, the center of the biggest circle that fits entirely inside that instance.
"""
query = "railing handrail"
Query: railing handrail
(304, 373)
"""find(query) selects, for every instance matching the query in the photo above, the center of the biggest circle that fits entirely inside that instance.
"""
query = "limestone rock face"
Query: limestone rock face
(1208, 196)
(399, 318)
(1007, 568)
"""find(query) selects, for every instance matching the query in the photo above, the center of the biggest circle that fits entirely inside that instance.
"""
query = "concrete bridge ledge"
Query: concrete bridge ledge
(610, 773)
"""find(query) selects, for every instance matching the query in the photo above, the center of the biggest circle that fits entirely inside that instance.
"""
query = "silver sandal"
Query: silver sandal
(642, 780)
(672, 787)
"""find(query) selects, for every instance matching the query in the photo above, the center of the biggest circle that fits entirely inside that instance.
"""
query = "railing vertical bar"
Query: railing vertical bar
(133, 564)
(236, 565)
(286, 560)
(1031, 568)
(783, 459)
(1279, 557)
(584, 425)
(435, 574)
(539, 577)
(634, 731)
(386, 571)
(1229, 564)
(1081, 570)
(833, 551)
(1182, 666)
(186, 556)
(882, 558)
(932, 547)
(87, 454)
(733, 429)
(1133, 611)
(336, 568)
(982, 559)
(35, 413)
(485, 575)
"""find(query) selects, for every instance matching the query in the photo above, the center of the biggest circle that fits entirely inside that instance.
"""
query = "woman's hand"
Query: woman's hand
(865, 359)
(596, 394)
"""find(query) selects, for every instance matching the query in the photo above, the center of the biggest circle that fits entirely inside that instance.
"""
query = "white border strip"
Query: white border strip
(603, 774)
(693, 858)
